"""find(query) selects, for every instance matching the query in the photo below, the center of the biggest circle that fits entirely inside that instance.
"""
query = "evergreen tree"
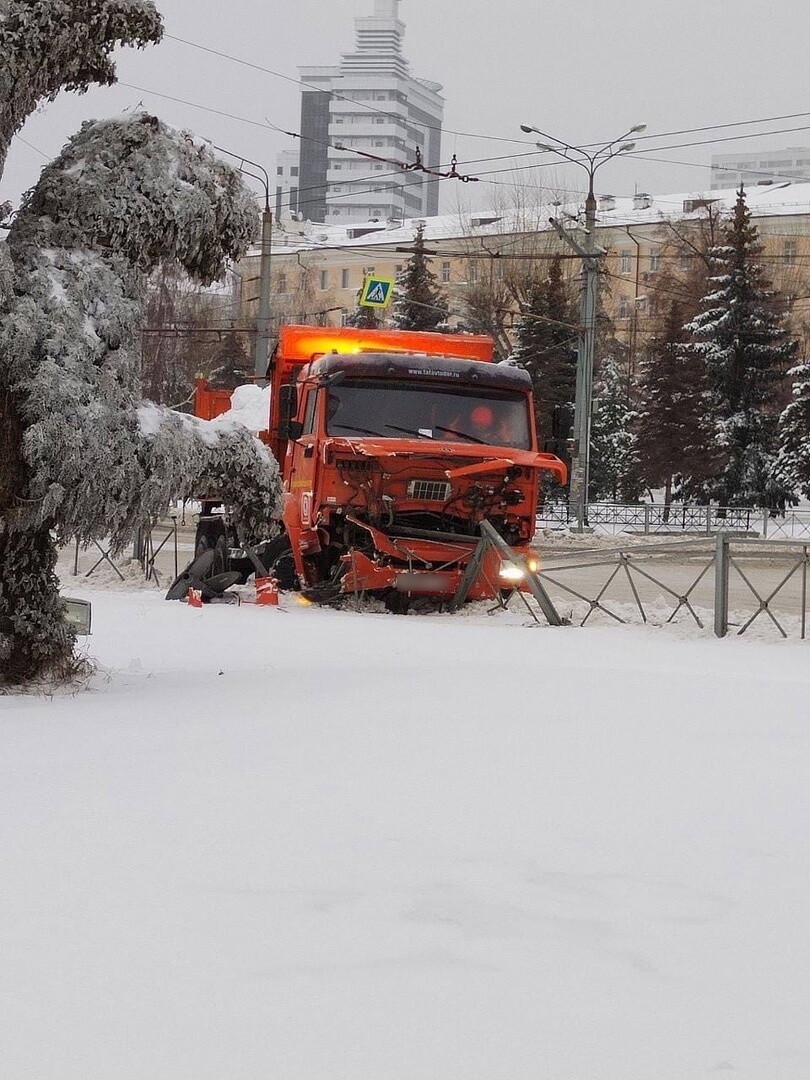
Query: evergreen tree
(674, 400)
(363, 317)
(740, 337)
(419, 303)
(613, 460)
(792, 465)
(546, 336)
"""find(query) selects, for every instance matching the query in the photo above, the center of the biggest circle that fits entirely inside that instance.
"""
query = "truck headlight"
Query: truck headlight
(511, 573)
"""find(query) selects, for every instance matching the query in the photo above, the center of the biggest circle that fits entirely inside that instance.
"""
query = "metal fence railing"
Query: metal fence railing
(650, 518)
(730, 583)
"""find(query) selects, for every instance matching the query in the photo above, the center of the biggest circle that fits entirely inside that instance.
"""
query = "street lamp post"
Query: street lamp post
(590, 160)
(263, 334)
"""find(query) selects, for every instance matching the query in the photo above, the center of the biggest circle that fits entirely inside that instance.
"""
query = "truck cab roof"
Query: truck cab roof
(431, 368)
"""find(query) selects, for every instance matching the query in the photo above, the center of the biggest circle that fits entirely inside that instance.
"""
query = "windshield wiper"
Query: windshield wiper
(360, 430)
(462, 434)
(410, 431)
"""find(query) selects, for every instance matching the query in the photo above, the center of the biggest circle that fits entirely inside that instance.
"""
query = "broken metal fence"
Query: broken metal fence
(649, 518)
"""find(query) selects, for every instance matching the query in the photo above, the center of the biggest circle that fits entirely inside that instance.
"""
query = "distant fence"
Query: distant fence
(650, 518)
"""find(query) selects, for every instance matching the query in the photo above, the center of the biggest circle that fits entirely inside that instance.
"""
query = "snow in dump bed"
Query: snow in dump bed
(324, 845)
(250, 406)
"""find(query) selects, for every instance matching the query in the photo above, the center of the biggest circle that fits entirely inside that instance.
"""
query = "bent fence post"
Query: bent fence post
(721, 564)
(533, 582)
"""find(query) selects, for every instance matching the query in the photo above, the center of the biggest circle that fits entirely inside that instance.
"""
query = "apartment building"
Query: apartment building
(369, 103)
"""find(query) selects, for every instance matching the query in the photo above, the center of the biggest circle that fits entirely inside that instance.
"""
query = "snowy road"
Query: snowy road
(325, 845)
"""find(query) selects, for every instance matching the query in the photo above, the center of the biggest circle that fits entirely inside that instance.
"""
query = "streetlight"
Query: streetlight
(262, 352)
(590, 160)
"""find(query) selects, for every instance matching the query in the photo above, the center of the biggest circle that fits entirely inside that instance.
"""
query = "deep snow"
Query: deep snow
(326, 845)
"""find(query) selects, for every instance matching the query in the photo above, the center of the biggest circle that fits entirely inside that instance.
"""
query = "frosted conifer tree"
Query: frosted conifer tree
(613, 462)
(673, 438)
(792, 465)
(80, 454)
(740, 337)
(546, 336)
(419, 303)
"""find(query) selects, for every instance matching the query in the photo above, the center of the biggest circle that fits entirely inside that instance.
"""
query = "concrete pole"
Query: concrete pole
(262, 356)
(583, 401)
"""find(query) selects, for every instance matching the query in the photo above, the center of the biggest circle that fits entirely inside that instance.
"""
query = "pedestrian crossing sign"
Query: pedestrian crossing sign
(377, 292)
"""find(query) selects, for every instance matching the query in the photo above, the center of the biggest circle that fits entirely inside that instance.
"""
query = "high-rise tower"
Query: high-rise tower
(369, 102)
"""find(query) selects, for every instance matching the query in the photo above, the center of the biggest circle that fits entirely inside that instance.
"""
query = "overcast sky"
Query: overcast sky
(580, 69)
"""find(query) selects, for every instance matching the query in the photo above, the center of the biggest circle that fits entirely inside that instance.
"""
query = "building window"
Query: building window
(368, 270)
(336, 165)
(789, 252)
(685, 262)
(344, 317)
(379, 119)
(337, 119)
(344, 279)
(279, 170)
(624, 307)
(398, 268)
(324, 279)
(655, 261)
(445, 275)
(282, 283)
(626, 262)
(472, 273)
(294, 170)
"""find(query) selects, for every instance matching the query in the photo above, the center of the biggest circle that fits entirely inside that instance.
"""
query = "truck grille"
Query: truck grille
(429, 490)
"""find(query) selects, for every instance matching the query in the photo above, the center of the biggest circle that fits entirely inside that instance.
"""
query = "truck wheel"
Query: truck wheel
(277, 556)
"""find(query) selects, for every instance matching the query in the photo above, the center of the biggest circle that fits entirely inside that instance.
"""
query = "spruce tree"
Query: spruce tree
(419, 303)
(546, 347)
(740, 337)
(673, 400)
(363, 317)
(613, 460)
(792, 465)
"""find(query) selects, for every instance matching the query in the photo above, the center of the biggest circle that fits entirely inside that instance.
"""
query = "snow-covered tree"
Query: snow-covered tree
(82, 456)
(791, 468)
(546, 338)
(672, 436)
(52, 45)
(419, 304)
(613, 460)
(740, 336)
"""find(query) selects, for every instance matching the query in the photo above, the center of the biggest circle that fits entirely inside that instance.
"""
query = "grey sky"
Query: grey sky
(580, 69)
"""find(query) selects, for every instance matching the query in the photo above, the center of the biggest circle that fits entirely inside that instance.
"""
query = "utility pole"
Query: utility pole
(591, 254)
(264, 320)
(262, 357)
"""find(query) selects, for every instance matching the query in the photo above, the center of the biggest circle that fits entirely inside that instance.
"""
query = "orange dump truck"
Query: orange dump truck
(394, 446)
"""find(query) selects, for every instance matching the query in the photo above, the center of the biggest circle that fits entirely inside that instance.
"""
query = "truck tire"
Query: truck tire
(277, 556)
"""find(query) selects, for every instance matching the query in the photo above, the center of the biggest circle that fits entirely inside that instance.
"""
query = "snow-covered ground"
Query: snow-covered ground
(331, 845)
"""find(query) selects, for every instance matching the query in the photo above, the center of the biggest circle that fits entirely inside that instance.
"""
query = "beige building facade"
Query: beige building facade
(650, 245)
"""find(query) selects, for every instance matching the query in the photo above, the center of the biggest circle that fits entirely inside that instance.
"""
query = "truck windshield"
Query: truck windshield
(390, 409)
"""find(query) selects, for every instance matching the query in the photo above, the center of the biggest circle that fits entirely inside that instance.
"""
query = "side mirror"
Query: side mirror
(288, 407)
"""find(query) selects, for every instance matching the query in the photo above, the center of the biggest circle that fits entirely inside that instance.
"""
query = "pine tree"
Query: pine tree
(673, 401)
(546, 336)
(740, 337)
(791, 469)
(419, 304)
(613, 460)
